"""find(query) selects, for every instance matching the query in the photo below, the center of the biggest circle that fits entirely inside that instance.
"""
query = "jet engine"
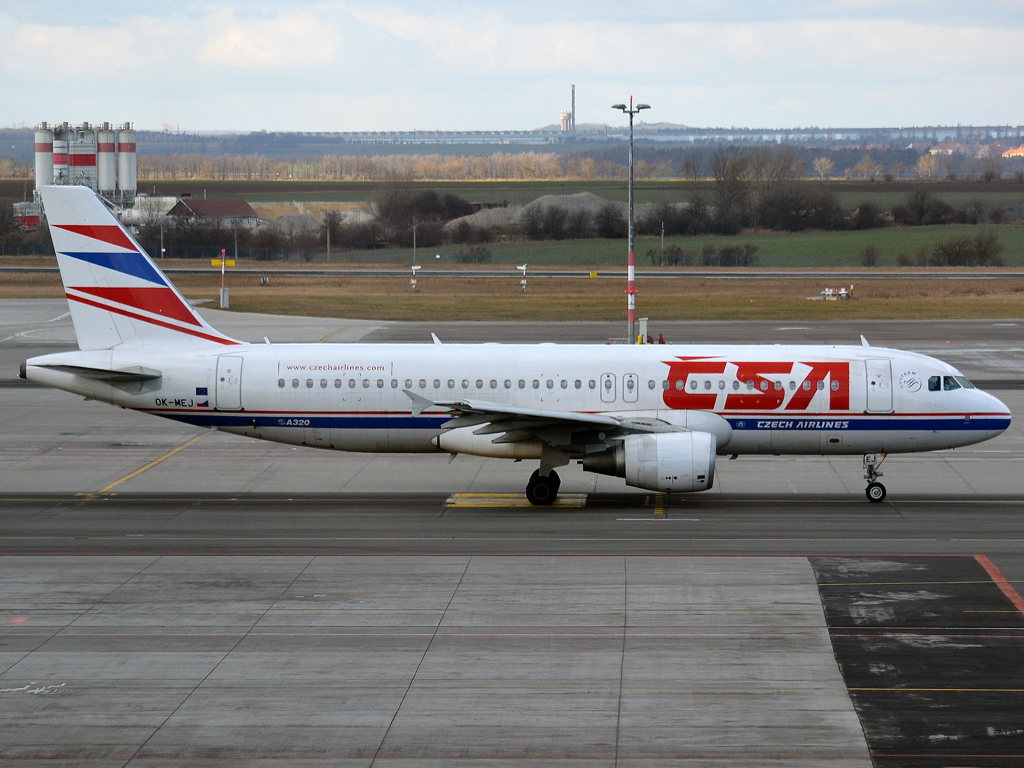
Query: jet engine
(680, 462)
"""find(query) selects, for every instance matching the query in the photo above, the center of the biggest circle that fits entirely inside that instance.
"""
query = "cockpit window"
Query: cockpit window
(950, 383)
(962, 380)
(934, 383)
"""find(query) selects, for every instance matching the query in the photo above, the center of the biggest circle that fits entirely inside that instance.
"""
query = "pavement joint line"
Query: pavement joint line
(153, 463)
(334, 333)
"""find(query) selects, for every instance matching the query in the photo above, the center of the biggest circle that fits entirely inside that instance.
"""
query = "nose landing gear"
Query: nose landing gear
(875, 490)
(541, 490)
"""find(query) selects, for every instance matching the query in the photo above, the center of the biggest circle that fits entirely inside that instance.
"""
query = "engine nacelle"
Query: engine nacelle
(681, 462)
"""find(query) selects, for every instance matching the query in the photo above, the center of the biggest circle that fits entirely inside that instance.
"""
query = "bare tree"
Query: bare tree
(897, 168)
(823, 166)
(926, 166)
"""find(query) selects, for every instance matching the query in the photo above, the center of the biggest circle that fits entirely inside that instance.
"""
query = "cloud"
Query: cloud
(291, 40)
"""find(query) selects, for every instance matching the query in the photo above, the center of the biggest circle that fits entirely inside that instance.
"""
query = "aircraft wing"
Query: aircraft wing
(516, 424)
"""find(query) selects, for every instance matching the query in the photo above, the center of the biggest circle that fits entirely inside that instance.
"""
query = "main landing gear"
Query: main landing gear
(541, 491)
(875, 490)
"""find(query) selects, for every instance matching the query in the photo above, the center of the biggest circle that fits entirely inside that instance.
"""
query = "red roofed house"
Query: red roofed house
(1018, 152)
(225, 213)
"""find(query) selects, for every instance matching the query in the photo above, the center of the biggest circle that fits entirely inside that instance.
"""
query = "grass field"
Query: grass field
(476, 298)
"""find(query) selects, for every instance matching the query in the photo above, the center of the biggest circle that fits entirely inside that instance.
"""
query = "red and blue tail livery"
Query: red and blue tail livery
(116, 293)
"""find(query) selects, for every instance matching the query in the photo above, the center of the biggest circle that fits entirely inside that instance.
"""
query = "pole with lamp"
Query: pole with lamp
(631, 276)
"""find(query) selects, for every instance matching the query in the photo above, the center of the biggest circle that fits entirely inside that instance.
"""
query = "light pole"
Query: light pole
(631, 275)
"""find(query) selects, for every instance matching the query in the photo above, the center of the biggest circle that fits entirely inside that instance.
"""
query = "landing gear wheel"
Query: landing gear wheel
(541, 491)
(875, 492)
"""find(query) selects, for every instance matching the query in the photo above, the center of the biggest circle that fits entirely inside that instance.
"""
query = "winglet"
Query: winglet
(434, 337)
(419, 404)
(863, 341)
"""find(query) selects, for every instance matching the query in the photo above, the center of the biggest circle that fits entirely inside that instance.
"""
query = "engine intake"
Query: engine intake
(682, 462)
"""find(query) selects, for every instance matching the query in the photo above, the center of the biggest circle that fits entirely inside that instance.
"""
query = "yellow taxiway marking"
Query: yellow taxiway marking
(511, 500)
(659, 505)
(334, 333)
(153, 463)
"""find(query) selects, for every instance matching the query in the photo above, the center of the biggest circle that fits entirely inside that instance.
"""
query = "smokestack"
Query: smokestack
(574, 110)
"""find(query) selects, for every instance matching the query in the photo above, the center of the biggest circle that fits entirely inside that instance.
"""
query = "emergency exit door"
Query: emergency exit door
(229, 383)
(630, 387)
(879, 384)
(607, 387)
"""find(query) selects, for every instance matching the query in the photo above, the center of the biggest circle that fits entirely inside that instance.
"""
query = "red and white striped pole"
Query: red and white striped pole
(631, 259)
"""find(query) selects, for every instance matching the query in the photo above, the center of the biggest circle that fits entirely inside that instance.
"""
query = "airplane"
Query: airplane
(655, 415)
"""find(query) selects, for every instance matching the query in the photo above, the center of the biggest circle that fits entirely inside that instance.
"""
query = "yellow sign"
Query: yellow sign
(593, 274)
(219, 263)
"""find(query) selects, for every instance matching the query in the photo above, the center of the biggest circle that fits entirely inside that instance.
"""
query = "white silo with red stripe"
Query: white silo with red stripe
(82, 156)
(106, 161)
(44, 155)
(127, 164)
(60, 154)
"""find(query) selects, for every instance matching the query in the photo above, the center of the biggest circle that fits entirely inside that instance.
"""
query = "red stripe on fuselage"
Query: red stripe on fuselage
(133, 316)
(161, 301)
(107, 233)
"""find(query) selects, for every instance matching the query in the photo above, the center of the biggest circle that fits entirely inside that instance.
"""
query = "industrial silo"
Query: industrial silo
(60, 154)
(127, 168)
(44, 155)
(106, 161)
(82, 156)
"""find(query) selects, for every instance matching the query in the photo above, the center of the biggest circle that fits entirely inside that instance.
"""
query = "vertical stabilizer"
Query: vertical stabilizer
(116, 293)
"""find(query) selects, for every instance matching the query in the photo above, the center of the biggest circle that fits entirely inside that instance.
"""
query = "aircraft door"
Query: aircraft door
(630, 387)
(607, 387)
(879, 384)
(229, 383)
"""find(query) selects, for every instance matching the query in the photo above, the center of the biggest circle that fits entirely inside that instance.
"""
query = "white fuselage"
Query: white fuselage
(352, 397)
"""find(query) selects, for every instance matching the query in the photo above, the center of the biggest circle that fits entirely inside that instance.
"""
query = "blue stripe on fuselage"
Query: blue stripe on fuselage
(875, 424)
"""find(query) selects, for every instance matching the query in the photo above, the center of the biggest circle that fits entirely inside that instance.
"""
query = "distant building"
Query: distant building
(223, 213)
(1016, 152)
(946, 148)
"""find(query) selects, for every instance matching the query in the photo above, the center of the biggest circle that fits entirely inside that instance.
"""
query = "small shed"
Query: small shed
(224, 213)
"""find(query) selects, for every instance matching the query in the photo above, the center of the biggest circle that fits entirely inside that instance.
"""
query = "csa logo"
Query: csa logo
(910, 381)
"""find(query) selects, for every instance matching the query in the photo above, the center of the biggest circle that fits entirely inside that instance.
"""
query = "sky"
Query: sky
(352, 66)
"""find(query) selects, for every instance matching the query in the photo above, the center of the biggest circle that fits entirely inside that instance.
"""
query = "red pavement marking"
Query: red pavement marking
(15, 621)
(1004, 586)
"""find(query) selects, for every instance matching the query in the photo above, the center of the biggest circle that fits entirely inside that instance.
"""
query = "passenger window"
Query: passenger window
(394, 384)
(750, 383)
(280, 383)
(949, 383)
(352, 383)
(451, 383)
(664, 384)
(679, 383)
(323, 383)
(565, 383)
(380, 383)
(764, 385)
(465, 383)
(494, 384)
(792, 385)
(366, 383)
(423, 383)
(295, 383)
(806, 386)
(408, 383)
(778, 386)
(651, 384)
(721, 385)
(522, 383)
(821, 386)
(479, 383)
(835, 386)
(550, 384)
(309, 383)
(337, 383)
(592, 384)
(437, 383)
(578, 384)
(508, 383)
(735, 385)
(693, 384)
(707, 384)
(536, 384)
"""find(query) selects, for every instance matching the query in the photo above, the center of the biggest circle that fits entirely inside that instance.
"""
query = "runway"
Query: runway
(177, 596)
